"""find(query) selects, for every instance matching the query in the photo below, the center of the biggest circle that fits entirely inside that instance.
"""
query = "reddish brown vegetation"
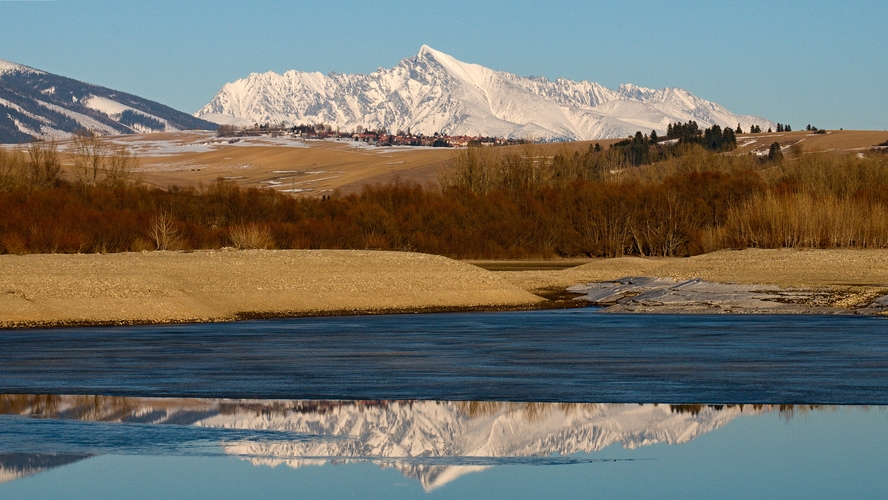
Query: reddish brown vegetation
(814, 201)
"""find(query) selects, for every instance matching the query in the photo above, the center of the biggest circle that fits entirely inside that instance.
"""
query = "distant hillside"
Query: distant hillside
(36, 104)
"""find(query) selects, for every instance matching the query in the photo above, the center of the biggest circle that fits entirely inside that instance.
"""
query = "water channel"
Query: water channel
(563, 403)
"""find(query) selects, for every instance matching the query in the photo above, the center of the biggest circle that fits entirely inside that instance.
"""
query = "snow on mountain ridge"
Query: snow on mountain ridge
(442, 430)
(39, 105)
(10, 67)
(434, 92)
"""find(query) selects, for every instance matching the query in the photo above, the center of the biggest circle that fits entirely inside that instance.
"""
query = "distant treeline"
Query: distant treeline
(646, 149)
(513, 204)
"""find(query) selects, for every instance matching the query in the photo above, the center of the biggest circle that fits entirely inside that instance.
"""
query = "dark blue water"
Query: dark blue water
(577, 355)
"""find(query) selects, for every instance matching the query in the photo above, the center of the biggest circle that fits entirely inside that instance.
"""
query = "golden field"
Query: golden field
(320, 167)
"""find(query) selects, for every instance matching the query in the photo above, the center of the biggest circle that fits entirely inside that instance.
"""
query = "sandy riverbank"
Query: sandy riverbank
(163, 287)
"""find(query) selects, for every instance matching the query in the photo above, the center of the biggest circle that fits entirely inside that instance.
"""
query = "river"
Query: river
(573, 355)
(554, 403)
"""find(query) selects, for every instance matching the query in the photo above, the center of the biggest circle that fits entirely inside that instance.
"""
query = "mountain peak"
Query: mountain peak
(426, 51)
(10, 67)
(435, 92)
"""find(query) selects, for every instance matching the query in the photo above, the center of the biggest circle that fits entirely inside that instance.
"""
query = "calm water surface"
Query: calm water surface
(55, 446)
(577, 355)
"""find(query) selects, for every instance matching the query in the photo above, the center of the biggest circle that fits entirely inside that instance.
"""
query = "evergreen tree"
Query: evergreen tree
(712, 138)
(787, 128)
(779, 127)
(654, 137)
(729, 140)
(739, 130)
(774, 153)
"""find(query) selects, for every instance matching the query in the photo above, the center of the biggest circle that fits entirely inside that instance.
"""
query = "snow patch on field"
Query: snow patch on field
(197, 142)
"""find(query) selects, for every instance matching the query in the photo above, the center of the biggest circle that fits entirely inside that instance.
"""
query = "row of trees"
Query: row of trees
(645, 150)
(691, 129)
(35, 166)
(96, 161)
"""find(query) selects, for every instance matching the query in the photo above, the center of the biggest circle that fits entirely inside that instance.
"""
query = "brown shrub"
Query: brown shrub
(250, 236)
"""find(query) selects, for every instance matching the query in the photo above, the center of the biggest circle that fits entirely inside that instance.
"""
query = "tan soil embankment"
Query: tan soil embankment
(159, 287)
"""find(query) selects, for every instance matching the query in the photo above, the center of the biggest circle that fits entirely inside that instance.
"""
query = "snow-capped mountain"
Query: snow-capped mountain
(433, 92)
(36, 104)
(436, 442)
(433, 442)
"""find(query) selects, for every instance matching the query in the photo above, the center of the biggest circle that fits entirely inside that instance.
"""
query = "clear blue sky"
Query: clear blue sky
(797, 62)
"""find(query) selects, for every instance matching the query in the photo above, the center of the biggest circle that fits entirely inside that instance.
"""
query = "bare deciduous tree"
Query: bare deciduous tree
(40, 170)
(44, 165)
(89, 157)
(121, 167)
(11, 169)
(97, 162)
(164, 232)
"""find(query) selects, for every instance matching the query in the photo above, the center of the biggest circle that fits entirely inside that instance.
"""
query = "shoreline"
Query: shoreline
(148, 288)
(47, 325)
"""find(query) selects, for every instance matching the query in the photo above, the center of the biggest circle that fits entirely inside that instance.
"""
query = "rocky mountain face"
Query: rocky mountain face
(433, 92)
(39, 105)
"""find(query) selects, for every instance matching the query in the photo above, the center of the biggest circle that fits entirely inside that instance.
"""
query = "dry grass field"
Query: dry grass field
(306, 168)
(843, 141)
(311, 167)
(317, 168)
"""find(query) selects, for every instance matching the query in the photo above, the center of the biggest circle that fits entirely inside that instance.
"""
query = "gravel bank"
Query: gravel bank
(822, 280)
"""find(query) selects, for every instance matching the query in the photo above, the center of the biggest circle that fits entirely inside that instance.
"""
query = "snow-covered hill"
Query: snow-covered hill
(36, 104)
(433, 92)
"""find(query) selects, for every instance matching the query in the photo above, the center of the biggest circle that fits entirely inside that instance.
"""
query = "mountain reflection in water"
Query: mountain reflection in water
(431, 441)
